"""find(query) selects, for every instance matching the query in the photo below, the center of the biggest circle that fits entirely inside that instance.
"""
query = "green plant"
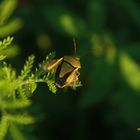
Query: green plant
(8, 25)
(15, 92)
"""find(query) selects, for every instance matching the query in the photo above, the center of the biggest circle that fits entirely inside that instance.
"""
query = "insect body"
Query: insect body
(65, 70)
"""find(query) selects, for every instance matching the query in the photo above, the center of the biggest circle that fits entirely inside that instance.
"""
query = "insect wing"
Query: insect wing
(61, 81)
(73, 77)
(73, 60)
(53, 64)
(65, 68)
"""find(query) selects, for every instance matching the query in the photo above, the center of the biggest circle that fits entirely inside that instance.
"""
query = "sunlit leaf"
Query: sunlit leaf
(130, 71)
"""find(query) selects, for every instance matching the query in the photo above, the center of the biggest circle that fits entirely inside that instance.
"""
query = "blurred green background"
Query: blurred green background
(107, 106)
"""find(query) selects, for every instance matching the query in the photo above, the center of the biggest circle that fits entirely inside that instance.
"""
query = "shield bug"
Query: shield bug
(66, 70)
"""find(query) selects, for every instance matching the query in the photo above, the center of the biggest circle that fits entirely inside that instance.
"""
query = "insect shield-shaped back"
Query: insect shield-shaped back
(66, 71)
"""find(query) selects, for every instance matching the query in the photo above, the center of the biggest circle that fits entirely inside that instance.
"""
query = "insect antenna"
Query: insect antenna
(74, 45)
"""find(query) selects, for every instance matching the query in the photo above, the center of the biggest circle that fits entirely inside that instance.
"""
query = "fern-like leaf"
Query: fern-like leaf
(21, 119)
(15, 104)
(50, 56)
(52, 86)
(49, 79)
(27, 67)
(5, 43)
(3, 127)
(10, 27)
(16, 133)
(6, 9)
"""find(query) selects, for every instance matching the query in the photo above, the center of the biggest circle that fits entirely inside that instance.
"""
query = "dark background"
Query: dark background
(107, 106)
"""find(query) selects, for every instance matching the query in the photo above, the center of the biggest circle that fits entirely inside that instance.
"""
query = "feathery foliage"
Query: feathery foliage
(16, 90)
(8, 26)
(3, 45)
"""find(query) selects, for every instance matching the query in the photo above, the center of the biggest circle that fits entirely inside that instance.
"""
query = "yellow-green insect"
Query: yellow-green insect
(66, 70)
